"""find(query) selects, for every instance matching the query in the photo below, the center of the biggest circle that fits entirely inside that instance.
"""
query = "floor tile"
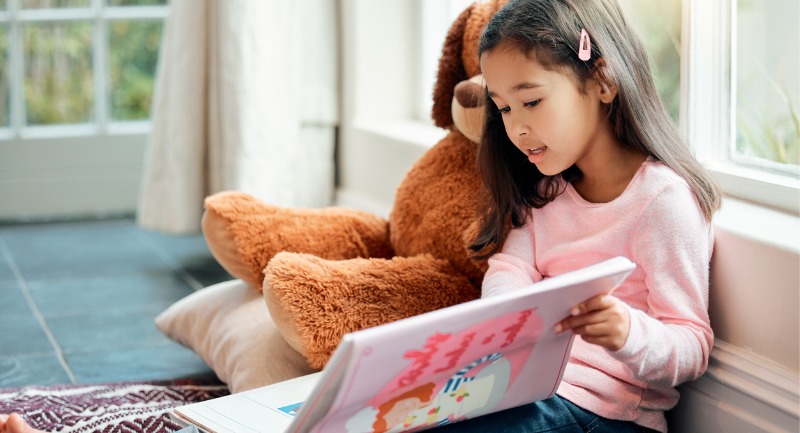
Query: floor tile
(78, 249)
(106, 330)
(167, 361)
(191, 253)
(108, 293)
(6, 276)
(31, 370)
(22, 335)
(99, 285)
(13, 303)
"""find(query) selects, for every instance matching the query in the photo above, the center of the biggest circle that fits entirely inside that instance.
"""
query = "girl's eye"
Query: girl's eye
(504, 110)
(533, 103)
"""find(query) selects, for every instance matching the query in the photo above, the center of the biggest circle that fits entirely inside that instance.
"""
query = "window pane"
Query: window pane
(136, 2)
(59, 85)
(133, 57)
(49, 4)
(4, 100)
(658, 24)
(767, 83)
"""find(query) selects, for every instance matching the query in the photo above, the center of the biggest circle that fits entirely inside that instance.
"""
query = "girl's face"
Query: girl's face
(544, 113)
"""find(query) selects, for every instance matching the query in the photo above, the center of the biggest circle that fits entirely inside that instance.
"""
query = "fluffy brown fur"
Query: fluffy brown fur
(332, 271)
(326, 299)
(244, 233)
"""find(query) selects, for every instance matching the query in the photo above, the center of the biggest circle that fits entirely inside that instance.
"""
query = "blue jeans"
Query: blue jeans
(554, 415)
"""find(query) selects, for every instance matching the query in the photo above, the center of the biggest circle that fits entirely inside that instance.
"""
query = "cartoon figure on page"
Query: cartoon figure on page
(453, 376)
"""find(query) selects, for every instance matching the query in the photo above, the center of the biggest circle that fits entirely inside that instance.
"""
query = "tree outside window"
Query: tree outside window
(4, 99)
(767, 84)
(658, 24)
(70, 59)
(133, 55)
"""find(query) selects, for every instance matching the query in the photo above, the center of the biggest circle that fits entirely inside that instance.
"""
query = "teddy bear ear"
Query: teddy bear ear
(451, 71)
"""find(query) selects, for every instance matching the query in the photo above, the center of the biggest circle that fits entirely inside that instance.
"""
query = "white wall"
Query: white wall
(752, 383)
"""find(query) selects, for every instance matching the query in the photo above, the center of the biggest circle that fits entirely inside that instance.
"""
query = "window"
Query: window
(76, 83)
(76, 67)
(741, 96)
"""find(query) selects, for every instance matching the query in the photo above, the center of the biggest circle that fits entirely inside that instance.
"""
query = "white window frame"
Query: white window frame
(708, 107)
(100, 16)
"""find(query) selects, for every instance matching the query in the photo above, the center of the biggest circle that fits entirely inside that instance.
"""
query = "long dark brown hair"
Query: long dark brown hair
(549, 32)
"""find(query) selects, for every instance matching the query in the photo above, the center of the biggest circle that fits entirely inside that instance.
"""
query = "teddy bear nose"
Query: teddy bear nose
(469, 94)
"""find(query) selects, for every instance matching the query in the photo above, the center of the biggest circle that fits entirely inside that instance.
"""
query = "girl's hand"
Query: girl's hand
(603, 320)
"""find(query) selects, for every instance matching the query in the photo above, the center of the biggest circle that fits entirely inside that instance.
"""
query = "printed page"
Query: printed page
(270, 408)
(319, 402)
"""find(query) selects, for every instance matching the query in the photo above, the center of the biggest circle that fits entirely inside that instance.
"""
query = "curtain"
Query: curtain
(245, 99)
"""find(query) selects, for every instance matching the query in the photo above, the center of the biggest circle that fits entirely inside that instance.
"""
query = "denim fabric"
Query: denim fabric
(554, 415)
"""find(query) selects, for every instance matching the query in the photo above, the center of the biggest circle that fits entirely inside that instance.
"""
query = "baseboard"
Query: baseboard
(740, 392)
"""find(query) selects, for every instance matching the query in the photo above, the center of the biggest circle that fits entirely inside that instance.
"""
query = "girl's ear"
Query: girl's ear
(607, 87)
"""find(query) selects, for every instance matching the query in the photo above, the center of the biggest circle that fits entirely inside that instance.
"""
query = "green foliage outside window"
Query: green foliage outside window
(60, 71)
(4, 95)
(59, 82)
(136, 2)
(133, 56)
(658, 24)
(52, 4)
(767, 85)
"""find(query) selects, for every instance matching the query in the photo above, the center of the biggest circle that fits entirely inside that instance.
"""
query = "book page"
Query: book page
(270, 408)
(326, 390)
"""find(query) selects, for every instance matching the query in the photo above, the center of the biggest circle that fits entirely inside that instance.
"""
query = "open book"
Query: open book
(425, 371)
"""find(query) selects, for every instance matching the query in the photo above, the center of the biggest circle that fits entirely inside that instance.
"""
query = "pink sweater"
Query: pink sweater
(657, 224)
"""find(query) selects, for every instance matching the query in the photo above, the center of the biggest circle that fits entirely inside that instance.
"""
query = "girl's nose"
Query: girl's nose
(519, 129)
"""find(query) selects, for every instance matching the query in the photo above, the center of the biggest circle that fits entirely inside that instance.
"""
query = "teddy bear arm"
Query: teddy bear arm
(314, 301)
(244, 233)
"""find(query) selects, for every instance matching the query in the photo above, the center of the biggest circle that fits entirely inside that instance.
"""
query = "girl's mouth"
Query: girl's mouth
(536, 154)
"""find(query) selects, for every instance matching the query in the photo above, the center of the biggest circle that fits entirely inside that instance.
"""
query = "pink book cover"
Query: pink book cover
(456, 363)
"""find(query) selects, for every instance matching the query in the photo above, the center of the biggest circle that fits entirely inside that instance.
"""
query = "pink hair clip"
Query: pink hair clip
(585, 48)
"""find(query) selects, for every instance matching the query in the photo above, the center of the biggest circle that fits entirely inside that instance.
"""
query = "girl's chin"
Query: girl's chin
(549, 169)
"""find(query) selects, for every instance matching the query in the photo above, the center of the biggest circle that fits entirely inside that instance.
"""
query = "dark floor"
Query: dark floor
(78, 299)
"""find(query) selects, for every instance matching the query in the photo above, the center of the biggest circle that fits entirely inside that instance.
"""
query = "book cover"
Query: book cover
(437, 368)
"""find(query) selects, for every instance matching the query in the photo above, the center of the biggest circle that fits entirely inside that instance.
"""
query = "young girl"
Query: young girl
(582, 163)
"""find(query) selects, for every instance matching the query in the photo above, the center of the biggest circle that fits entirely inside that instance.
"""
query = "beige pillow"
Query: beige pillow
(229, 327)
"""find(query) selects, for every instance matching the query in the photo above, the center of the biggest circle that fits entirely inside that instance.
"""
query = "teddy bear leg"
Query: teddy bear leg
(314, 301)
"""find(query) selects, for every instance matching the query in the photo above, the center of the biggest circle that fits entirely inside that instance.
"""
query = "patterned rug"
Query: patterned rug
(130, 407)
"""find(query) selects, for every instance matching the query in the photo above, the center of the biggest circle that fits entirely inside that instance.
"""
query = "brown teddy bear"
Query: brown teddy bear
(326, 272)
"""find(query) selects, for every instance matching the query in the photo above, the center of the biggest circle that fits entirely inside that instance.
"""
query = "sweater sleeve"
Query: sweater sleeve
(512, 267)
(671, 342)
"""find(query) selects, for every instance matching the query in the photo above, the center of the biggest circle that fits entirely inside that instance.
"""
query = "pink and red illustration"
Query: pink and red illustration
(452, 376)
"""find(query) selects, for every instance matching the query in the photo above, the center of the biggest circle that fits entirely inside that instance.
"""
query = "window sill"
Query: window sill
(774, 190)
(408, 131)
(759, 224)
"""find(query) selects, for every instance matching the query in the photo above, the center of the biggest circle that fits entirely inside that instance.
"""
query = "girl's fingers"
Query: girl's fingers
(599, 302)
(602, 320)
